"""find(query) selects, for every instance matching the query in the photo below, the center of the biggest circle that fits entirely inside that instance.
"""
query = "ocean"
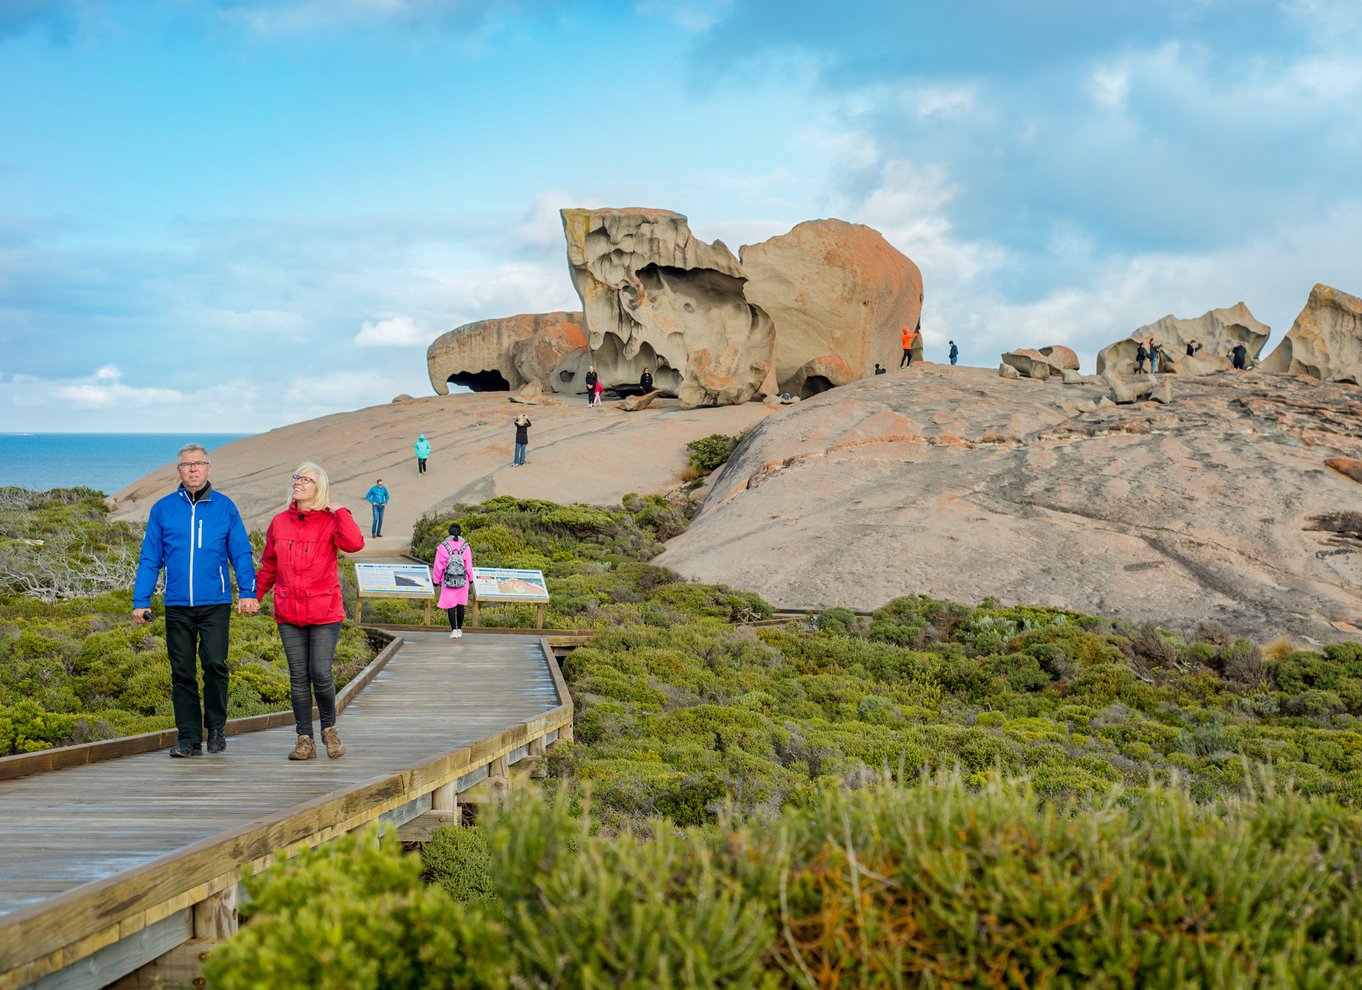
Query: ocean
(107, 462)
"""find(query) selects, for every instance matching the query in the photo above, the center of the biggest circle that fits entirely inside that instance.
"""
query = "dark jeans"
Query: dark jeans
(519, 457)
(907, 359)
(197, 634)
(310, 650)
(455, 617)
(420, 465)
(377, 528)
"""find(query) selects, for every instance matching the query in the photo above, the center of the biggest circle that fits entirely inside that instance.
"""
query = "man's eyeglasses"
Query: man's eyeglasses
(193, 464)
(303, 477)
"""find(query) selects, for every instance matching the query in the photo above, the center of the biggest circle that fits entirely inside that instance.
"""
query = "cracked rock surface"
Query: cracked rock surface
(956, 483)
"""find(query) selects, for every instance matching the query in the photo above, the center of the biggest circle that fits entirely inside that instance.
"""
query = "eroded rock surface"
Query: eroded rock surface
(1217, 506)
(1325, 342)
(507, 353)
(838, 294)
(655, 296)
(1217, 330)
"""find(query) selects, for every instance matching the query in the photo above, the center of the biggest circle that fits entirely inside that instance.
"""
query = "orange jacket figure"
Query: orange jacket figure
(909, 339)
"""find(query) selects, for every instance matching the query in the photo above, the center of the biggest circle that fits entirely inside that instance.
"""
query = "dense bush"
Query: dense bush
(935, 883)
(712, 452)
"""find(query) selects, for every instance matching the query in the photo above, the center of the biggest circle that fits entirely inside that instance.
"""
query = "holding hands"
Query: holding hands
(248, 606)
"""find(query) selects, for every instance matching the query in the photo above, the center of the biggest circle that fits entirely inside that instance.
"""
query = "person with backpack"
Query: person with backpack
(522, 439)
(954, 353)
(1141, 356)
(453, 572)
(1239, 356)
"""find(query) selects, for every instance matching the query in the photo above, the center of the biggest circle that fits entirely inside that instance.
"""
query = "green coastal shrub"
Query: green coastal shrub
(709, 453)
(935, 883)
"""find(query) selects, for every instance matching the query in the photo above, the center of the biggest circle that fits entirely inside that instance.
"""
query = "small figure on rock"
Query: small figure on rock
(596, 392)
(1155, 350)
(422, 448)
(645, 381)
(1141, 356)
(1192, 347)
(1239, 356)
(522, 439)
(909, 341)
(878, 369)
(591, 380)
(954, 353)
(377, 497)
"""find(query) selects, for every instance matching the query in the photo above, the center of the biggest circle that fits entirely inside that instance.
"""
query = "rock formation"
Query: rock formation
(1325, 342)
(1218, 331)
(1061, 357)
(1032, 364)
(838, 294)
(1216, 507)
(654, 296)
(502, 354)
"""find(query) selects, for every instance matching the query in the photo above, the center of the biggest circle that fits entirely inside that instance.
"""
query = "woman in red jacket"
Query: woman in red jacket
(300, 565)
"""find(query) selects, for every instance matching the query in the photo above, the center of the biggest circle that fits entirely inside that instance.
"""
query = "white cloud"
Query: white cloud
(105, 390)
(1110, 87)
(396, 331)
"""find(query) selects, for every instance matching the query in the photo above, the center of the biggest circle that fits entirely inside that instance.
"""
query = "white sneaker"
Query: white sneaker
(456, 634)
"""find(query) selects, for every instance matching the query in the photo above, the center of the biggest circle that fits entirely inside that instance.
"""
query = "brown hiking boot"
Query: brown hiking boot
(334, 747)
(304, 749)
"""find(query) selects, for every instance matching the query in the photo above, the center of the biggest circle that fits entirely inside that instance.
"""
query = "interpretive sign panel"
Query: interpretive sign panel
(394, 580)
(502, 584)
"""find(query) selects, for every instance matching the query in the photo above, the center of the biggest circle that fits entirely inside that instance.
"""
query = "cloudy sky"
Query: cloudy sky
(229, 215)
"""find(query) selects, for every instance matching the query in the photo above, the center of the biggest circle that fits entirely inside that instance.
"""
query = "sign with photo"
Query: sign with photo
(503, 584)
(394, 580)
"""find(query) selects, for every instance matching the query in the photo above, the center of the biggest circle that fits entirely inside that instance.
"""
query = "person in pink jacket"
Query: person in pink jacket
(453, 573)
(300, 564)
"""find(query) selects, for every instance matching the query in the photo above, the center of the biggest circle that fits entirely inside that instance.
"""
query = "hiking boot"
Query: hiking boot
(304, 749)
(334, 747)
(217, 740)
(185, 749)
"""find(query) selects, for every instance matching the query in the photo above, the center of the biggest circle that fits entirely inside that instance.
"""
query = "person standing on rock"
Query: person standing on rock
(422, 448)
(377, 497)
(1192, 347)
(522, 439)
(1155, 349)
(645, 381)
(453, 572)
(1239, 356)
(954, 353)
(1141, 356)
(300, 564)
(591, 379)
(195, 533)
(909, 342)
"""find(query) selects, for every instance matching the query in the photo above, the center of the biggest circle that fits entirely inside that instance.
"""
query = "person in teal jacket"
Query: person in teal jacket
(194, 534)
(422, 448)
(377, 497)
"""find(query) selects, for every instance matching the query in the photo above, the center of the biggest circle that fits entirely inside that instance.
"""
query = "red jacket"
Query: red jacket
(300, 564)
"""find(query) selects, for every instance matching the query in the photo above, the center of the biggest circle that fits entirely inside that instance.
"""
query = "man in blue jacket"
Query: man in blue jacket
(377, 497)
(194, 533)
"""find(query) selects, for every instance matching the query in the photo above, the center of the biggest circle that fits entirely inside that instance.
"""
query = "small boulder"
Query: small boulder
(1007, 371)
(1061, 357)
(1032, 364)
(1121, 392)
(1071, 377)
(1349, 467)
(1162, 392)
(529, 394)
(636, 402)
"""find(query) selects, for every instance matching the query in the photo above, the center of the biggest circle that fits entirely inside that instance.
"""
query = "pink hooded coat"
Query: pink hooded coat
(449, 597)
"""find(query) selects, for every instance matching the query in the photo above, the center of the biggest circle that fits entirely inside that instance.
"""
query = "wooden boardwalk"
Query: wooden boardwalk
(92, 855)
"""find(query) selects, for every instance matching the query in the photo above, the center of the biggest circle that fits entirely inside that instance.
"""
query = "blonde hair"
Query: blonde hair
(323, 492)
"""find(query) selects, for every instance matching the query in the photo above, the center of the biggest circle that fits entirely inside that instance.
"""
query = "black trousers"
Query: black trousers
(197, 635)
(455, 616)
(907, 358)
(310, 650)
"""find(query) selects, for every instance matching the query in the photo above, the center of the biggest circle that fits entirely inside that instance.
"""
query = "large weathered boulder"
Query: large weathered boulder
(1033, 364)
(1061, 357)
(654, 296)
(1325, 342)
(1217, 331)
(505, 353)
(839, 294)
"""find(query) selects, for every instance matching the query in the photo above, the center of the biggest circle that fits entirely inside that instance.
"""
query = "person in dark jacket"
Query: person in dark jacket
(591, 385)
(300, 564)
(1239, 356)
(194, 533)
(954, 354)
(645, 381)
(1141, 356)
(522, 439)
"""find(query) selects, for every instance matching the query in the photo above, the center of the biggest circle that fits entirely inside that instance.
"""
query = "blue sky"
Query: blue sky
(233, 215)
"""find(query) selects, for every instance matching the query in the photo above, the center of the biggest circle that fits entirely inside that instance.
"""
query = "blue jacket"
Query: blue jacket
(378, 495)
(194, 541)
(422, 446)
